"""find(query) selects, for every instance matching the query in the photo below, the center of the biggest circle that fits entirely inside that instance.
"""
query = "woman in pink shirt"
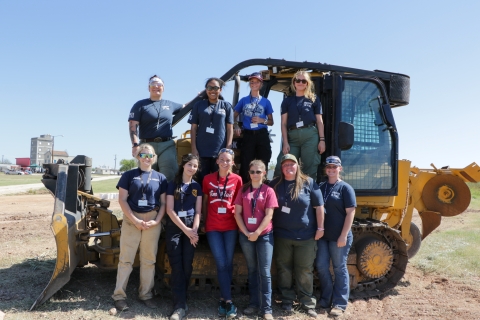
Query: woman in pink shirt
(254, 207)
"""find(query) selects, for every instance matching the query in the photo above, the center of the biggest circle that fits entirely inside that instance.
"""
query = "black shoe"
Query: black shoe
(287, 306)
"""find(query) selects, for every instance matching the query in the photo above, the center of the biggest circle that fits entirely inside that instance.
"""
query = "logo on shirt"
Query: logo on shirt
(335, 194)
(165, 108)
(131, 115)
(252, 110)
(194, 192)
(190, 117)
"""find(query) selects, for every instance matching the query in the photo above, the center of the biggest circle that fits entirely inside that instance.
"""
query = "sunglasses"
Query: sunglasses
(230, 151)
(255, 172)
(156, 84)
(146, 155)
(213, 88)
(300, 81)
(288, 165)
(331, 167)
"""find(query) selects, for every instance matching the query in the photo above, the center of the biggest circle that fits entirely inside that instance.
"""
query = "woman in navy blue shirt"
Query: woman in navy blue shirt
(340, 203)
(184, 204)
(141, 195)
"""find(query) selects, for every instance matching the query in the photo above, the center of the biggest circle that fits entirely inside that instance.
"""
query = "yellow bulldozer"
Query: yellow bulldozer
(359, 128)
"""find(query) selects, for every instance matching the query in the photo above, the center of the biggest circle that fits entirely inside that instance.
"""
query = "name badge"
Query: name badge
(142, 203)
(222, 210)
(252, 220)
(182, 214)
(299, 124)
(253, 125)
(210, 130)
(285, 209)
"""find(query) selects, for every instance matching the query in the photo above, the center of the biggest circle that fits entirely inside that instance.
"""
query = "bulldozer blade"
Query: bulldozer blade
(62, 226)
(430, 221)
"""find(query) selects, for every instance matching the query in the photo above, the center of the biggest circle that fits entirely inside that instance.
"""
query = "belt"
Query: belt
(157, 139)
(259, 131)
(307, 126)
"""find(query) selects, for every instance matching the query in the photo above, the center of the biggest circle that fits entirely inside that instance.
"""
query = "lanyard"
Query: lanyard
(212, 113)
(301, 107)
(184, 192)
(287, 194)
(148, 181)
(224, 187)
(254, 199)
(255, 101)
(325, 196)
(159, 110)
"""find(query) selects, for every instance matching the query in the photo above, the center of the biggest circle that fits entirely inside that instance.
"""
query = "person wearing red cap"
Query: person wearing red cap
(257, 116)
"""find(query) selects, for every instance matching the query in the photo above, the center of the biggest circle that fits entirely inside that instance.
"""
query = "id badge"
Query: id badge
(285, 209)
(182, 214)
(222, 210)
(299, 124)
(142, 203)
(253, 125)
(252, 220)
(210, 130)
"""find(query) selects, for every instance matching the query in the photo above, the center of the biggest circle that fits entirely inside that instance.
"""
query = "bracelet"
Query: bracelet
(266, 121)
(135, 144)
(320, 229)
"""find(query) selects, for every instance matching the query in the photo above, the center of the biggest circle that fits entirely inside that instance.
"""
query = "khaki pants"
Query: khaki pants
(132, 239)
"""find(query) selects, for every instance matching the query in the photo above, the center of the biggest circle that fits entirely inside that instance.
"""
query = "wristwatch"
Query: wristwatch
(135, 145)
(266, 121)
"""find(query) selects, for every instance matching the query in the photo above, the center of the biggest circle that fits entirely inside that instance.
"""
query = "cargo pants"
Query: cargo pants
(131, 240)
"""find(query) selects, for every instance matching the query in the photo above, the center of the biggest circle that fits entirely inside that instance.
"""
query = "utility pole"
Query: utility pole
(115, 168)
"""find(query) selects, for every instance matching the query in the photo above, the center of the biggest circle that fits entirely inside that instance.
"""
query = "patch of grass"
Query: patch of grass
(14, 180)
(475, 191)
(453, 252)
(105, 186)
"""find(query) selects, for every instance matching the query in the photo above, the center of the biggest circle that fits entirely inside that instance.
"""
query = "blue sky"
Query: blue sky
(76, 68)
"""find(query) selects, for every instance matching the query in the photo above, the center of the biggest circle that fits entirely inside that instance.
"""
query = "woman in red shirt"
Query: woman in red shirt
(220, 189)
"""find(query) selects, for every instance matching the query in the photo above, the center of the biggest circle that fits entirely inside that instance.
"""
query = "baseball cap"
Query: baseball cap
(289, 157)
(333, 160)
(256, 75)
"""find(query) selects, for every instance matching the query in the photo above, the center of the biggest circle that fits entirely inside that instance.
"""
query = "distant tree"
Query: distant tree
(5, 161)
(271, 165)
(126, 165)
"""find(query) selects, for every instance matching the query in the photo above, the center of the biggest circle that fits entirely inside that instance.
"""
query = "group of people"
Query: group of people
(291, 219)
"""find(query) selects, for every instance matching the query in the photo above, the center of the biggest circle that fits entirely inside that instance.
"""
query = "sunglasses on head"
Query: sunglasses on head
(230, 151)
(255, 172)
(213, 88)
(146, 155)
(300, 81)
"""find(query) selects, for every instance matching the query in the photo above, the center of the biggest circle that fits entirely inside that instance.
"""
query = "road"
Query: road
(34, 186)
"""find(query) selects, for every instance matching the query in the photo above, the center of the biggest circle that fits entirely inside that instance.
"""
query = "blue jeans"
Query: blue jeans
(222, 245)
(258, 255)
(334, 294)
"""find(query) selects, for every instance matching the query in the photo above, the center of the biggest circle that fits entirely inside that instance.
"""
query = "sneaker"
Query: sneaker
(250, 311)
(121, 305)
(222, 308)
(336, 312)
(268, 316)
(231, 310)
(178, 314)
(150, 304)
(310, 311)
(287, 306)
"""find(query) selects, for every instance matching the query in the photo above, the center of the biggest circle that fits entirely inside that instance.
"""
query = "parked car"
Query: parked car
(27, 172)
(17, 172)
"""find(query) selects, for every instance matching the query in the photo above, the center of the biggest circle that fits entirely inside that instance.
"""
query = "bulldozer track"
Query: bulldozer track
(363, 229)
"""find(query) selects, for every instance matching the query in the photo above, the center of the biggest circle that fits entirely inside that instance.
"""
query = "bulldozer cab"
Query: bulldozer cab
(359, 124)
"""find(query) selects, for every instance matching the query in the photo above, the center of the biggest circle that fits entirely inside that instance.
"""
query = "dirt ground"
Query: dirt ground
(27, 257)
